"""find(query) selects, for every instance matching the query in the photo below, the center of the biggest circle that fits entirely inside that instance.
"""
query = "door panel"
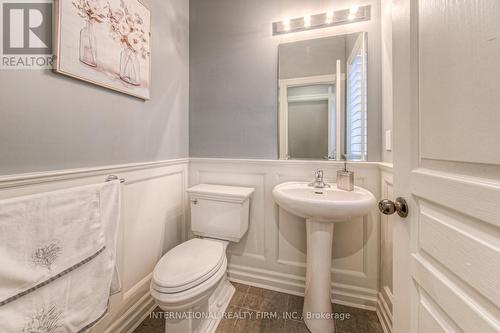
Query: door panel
(447, 253)
(459, 48)
(448, 294)
(433, 319)
(456, 260)
(473, 196)
(461, 248)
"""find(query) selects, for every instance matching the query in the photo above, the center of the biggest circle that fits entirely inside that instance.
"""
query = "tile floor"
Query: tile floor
(249, 304)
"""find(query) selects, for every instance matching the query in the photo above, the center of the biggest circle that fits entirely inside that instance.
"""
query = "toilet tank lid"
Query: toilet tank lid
(221, 192)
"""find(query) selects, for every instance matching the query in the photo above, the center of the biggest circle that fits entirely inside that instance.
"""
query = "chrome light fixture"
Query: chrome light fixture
(318, 21)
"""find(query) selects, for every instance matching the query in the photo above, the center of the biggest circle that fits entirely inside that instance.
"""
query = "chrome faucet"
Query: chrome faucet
(318, 180)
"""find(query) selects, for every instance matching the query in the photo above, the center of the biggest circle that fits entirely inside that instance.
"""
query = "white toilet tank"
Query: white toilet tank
(219, 211)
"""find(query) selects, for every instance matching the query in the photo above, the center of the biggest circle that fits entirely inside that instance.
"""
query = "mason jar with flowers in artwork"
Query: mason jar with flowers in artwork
(129, 29)
(93, 13)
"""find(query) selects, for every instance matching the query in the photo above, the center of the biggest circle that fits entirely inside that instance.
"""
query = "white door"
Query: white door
(446, 71)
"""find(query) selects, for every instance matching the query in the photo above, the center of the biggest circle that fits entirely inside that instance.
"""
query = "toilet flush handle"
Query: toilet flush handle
(194, 201)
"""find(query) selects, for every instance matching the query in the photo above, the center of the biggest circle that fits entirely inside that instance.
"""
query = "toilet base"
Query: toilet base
(204, 317)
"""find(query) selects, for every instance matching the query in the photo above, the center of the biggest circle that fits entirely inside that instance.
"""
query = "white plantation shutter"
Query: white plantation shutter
(357, 103)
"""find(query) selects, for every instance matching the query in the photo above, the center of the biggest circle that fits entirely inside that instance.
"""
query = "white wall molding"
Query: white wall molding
(384, 302)
(285, 163)
(384, 313)
(27, 179)
(387, 167)
(348, 295)
(134, 316)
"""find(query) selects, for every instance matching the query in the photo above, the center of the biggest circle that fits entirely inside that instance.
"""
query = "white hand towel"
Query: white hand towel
(58, 255)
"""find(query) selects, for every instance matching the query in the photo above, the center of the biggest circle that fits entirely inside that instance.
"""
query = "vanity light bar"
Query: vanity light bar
(318, 21)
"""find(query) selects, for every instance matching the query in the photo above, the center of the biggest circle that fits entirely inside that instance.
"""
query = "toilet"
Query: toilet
(190, 281)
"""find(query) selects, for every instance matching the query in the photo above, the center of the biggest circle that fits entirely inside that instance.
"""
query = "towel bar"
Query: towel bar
(111, 178)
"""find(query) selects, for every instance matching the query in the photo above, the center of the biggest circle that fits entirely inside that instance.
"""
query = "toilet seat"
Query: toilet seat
(188, 265)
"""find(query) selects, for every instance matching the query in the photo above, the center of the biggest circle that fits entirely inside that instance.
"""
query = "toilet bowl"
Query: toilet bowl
(193, 296)
(190, 281)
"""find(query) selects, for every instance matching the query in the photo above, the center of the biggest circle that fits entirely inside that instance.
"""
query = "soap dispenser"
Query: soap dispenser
(345, 178)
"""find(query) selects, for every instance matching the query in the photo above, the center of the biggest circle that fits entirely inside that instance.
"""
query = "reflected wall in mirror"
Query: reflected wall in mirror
(323, 98)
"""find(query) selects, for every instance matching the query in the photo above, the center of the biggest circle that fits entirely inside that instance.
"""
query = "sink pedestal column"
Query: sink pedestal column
(317, 303)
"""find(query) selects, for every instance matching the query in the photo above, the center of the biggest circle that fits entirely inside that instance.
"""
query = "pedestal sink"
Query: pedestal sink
(321, 208)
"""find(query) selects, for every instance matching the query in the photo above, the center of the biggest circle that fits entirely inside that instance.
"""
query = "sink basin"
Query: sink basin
(328, 204)
(320, 208)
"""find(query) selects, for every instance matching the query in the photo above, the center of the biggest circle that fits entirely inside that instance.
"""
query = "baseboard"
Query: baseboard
(134, 316)
(383, 314)
(348, 295)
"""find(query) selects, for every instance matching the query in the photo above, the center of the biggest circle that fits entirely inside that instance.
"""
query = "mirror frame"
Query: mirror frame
(341, 117)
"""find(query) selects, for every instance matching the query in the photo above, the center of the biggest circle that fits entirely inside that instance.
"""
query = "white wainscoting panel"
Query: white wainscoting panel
(153, 221)
(384, 306)
(273, 252)
(155, 218)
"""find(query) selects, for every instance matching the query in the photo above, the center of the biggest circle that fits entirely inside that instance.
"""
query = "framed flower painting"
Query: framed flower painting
(107, 43)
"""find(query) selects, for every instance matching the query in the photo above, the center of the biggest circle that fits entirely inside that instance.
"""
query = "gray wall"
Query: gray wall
(49, 121)
(312, 57)
(233, 73)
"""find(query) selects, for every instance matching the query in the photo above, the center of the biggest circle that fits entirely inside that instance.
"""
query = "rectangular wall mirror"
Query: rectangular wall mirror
(323, 99)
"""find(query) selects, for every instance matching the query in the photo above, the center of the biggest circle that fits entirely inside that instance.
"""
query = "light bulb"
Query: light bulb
(307, 21)
(286, 24)
(286, 21)
(354, 10)
(329, 17)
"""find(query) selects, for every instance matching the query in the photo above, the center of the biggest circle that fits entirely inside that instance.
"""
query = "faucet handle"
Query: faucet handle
(318, 173)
